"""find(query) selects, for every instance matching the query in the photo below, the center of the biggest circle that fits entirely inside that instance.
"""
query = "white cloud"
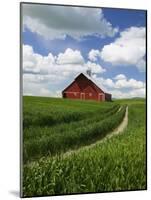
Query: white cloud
(57, 21)
(52, 72)
(95, 68)
(34, 89)
(120, 77)
(131, 83)
(70, 57)
(121, 82)
(128, 49)
(65, 63)
(93, 55)
(35, 63)
(47, 92)
(121, 87)
(131, 94)
(43, 76)
(105, 84)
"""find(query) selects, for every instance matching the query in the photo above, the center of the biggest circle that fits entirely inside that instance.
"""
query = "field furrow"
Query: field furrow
(78, 154)
(72, 138)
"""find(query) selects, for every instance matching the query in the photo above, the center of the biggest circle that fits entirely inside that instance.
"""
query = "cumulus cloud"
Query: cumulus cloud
(70, 57)
(120, 77)
(122, 87)
(44, 76)
(53, 72)
(131, 94)
(118, 94)
(32, 88)
(131, 83)
(93, 55)
(121, 82)
(95, 68)
(128, 49)
(36, 63)
(68, 62)
(58, 21)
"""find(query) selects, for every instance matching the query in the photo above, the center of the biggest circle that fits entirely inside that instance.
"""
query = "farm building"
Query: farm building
(84, 87)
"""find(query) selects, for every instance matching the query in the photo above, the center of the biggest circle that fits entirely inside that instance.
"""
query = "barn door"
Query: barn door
(82, 95)
(101, 97)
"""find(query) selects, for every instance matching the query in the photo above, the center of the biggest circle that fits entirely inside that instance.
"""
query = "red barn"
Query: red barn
(83, 87)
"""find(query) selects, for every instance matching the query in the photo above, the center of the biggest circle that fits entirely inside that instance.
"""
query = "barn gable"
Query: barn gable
(83, 87)
(72, 87)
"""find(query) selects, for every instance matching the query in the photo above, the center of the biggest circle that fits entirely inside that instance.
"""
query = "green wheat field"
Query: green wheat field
(56, 133)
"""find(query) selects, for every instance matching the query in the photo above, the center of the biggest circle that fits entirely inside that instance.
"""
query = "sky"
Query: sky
(60, 42)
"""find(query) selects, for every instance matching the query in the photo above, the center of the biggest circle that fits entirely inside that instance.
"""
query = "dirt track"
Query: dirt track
(117, 131)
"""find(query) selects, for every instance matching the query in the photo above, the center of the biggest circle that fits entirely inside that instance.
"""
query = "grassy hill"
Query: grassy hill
(52, 127)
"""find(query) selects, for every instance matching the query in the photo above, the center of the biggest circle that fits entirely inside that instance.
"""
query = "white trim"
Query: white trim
(71, 92)
(82, 93)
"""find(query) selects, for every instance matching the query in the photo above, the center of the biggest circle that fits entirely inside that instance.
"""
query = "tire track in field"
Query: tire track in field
(119, 129)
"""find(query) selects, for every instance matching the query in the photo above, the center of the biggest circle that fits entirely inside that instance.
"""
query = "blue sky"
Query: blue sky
(111, 42)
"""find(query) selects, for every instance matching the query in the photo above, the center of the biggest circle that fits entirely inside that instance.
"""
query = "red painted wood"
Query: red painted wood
(84, 89)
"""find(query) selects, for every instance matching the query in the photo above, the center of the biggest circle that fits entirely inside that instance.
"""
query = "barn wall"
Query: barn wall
(85, 95)
(101, 97)
(74, 87)
(90, 93)
(83, 88)
(108, 97)
(82, 82)
(71, 95)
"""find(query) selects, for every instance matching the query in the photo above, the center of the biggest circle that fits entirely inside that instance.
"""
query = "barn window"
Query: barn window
(75, 94)
(90, 94)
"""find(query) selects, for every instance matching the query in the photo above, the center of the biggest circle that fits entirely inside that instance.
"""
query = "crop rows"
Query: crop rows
(116, 164)
(69, 136)
(53, 112)
(39, 131)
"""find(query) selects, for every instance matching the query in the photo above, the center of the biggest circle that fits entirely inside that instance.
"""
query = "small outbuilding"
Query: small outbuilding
(84, 87)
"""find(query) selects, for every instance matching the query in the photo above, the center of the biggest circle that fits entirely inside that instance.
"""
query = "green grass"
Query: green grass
(40, 111)
(118, 163)
(73, 138)
(88, 122)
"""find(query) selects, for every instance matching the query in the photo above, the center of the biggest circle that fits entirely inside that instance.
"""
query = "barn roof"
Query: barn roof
(95, 83)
